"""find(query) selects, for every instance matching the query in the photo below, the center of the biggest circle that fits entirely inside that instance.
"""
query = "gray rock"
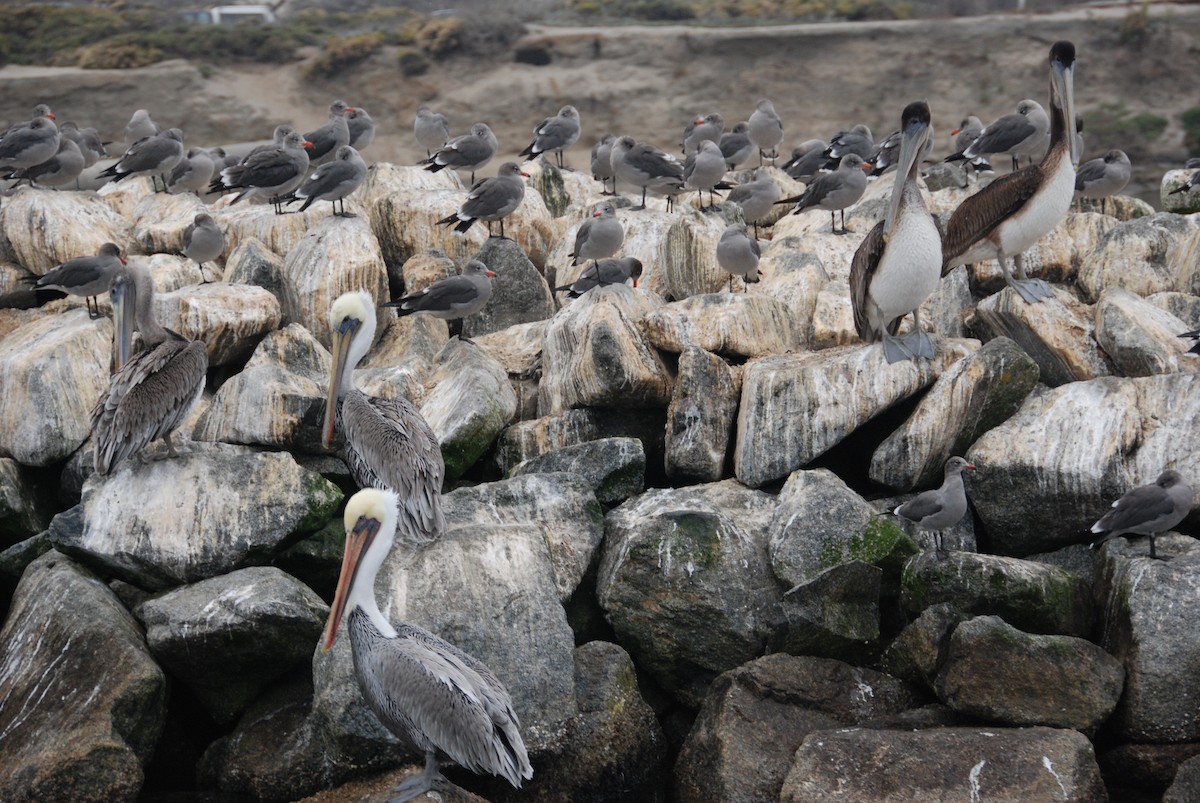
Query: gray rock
(685, 582)
(820, 523)
(995, 671)
(730, 324)
(796, 407)
(230, 319)
(1146, 768)
(917, 653)
(794, 277)
(756, 715)
(956, 763)
(613, 751)
(944, 175)
(17, 557)
(52, 371)
(1139, 337)
(1058, 333)
(1049, 472)
(1149, 609)
(255, 264)
(173, 521)
(526, 440)
(971, 397)
(1056, 258)
(227, 638)
(948, 307)
(1121, 207)
(44, 229)
(701, 416)
(519, 293)
(491, 586)
(1181, 203)
(471, 403)
(833, 318)
(833, 615)
(595, 355)
(1184, 306)
(81, 700)
(1136, 255)
(1031, 596)
(614, 467)
(1186, 786)
(23, 512)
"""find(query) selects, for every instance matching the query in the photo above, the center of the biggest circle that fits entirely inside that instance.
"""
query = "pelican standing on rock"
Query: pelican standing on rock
(423, 689)
(899, 263)
(387, 442)
(1148, 510)
(1016, 210)
(153, 393)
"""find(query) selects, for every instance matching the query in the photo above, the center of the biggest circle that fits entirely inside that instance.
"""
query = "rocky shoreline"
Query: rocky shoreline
(667, 506)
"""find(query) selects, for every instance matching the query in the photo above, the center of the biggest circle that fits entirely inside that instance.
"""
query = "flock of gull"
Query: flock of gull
(424, 689)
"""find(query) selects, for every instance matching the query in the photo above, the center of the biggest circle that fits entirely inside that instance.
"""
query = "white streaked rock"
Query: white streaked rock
(736, 324)
(1140, 338)
(44, 229)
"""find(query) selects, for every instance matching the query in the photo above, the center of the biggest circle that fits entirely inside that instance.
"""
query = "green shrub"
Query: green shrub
(112, 54)
(342, 52)
(412, 61)
(1113, 125)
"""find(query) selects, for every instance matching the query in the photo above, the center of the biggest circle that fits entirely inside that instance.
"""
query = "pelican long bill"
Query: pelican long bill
(1063, 76)
(124, 311)
(912, 144)
(358, 540)
(342, 335)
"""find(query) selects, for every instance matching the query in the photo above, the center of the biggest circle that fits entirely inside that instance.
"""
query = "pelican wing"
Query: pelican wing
(979, 215)
(147, 399)
(862, 270)
(389, 445)
(429, 687)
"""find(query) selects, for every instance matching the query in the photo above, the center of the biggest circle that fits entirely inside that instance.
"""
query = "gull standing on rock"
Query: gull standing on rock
(153, 156)
(645, 166)
(702, 129)
(361, 127)
(431, 129)
(334, 180)
(203, 241)
(139, 127)
(941, 508)
(736, 146)
(601, 273)
(331, 136)
(153, 393)
(703, 170)
(602, 169)
(555, 134)
(738, 253)
(193, 173)
(453, 297)
(857, 140)
(1022, 133)
(388, 444)
(85, 276)
(899, 264)
(88, 140)
(1148, 510)
(269, 173)
(30, 144)
(1103, 177)
(806, 160)
(1016, 210)
(599, 236)
(427, 692)
(469, 152)
(59, 170)
(1192, 181)
(766, 130)
(834, 191)
(491, 199)
(756, 198)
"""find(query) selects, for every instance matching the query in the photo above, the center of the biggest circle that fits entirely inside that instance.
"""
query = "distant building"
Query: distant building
(233, 14)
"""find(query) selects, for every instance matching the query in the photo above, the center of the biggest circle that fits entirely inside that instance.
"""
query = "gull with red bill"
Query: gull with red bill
(941, 508)
(493, 198)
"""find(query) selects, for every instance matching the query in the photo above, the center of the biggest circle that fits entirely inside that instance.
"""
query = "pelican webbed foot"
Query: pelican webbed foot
(1032, 290)
(429, 779)
(911, 346)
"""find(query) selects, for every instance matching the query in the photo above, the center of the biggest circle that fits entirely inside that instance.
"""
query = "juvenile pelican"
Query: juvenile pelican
(388, 443)
(423, 688)
(1014, 211)
(151, 394)
(899, 263)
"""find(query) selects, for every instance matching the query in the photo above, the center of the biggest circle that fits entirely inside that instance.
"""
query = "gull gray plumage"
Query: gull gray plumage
(431, 128)
(766, 130)
(452, 297)
(334, 180)
(942, 507)
(738, 253)
(645, 166)
(1102, 177)
(490, 199)
(59, 170)
(602, 169)
(361, 127)
(704, 169)
(807, 158)
(88, 140)
(1022, 133)
(153, 156)
(603, 272)
(600, 236)
(193, 173)
(735, 145)
(857, 140)
(139, 127)
(468, 152)
(555, 134)
(756, 198)
(85, 276)
(271, 172)
(203, 241)
(426, 691)
(331, 136)
(30, 144)
(387, 443)
(834, 191)
(1148, 510)
(708, 127)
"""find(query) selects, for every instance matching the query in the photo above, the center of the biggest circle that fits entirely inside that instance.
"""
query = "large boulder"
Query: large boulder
(730, 324)
(701, 416)
(614, 467)
(796, 407)
(955, 763)
(519, 293)
(81, 700)
(528, 439)
(23, 511)
(230, 319)
(1139, 337)
(172, 521)
(1136, 255)
(44, 229)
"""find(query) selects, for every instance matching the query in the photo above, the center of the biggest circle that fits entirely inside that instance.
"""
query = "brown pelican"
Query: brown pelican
(423, 688)
(151, 394)
(388, 443)
(941, 507)
(1147, 510)
(899, 263)
(1015, 211)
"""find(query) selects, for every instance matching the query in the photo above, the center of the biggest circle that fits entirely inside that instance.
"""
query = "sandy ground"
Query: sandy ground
(648, 81)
